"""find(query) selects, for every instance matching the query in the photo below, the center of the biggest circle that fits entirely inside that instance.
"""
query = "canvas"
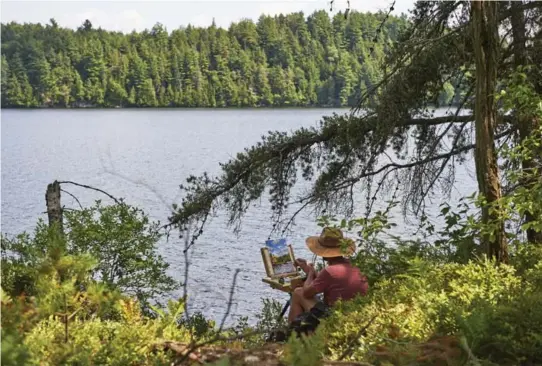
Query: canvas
(278, 259)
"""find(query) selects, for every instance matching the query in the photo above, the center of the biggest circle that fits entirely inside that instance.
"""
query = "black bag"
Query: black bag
(308, 322)
(305, 323)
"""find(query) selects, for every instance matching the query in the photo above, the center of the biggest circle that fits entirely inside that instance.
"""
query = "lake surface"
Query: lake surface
(152, 152)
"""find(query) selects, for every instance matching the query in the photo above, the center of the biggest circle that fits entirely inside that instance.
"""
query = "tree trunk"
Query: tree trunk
(525, 123)
(54, 210)
(486, 50)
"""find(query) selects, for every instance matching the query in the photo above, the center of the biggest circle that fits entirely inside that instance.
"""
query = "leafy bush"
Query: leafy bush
(510, 333)
(305, 351)
(76, 331)
(119, 237)
(442, 299)
(198, 325)
(63, 302)
(130, 340)
(123, 241)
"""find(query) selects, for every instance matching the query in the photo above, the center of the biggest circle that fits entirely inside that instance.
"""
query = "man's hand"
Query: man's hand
(306, 267)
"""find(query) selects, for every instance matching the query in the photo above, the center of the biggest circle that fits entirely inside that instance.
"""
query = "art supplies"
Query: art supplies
(279, 262)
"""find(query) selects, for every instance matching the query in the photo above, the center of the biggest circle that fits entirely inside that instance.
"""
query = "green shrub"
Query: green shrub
(197, 324)
(131, 339)
(429, 299)
(18, 317)
(510, 333)
(305, 351)
(124, 242)
(120, 238)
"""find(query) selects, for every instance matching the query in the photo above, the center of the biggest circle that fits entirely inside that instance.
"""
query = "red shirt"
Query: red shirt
(340, 280)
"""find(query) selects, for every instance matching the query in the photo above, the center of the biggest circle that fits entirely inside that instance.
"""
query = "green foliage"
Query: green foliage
(285, 60)
(130, 340)
(510, 333)
(431, 299)
(379, 253)
(305, 350)
(18, 316)
(268, 319)
(124, 242)
(75, 320)
(198, 325)
(119, 238)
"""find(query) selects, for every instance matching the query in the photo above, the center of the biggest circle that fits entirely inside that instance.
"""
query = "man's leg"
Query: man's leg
(299, 304)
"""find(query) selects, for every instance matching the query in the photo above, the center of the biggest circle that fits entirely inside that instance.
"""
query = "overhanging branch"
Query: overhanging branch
(244, 178)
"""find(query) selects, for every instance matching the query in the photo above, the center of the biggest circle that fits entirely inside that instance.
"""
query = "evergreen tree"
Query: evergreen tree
(116, 94)
(4, 79)
(284, 60)
(146, 96)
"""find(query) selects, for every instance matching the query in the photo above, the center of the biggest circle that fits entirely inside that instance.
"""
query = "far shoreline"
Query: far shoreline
(185, 108)
(164, 108)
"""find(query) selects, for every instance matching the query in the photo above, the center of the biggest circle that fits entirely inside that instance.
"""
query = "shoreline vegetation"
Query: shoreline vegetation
(188, 108)
(290, 60)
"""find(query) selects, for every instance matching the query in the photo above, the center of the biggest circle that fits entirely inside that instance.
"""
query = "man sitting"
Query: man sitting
(339, 280)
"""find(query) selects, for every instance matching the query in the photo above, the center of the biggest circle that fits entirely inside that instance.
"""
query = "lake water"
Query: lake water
(143, 156)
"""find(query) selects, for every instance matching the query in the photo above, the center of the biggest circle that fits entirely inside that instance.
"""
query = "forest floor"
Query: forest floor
(268, 355)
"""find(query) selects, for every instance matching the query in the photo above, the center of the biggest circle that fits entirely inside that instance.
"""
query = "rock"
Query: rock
(250, 359)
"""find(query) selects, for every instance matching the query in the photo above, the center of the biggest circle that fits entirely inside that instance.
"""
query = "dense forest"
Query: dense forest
(286, 60)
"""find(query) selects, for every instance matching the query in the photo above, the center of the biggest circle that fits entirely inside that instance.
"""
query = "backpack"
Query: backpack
(305, 323)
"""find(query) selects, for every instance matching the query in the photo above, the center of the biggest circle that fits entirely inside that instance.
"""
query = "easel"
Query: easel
(286, 282)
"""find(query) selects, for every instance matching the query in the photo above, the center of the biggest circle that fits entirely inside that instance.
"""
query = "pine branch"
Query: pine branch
(397, 166)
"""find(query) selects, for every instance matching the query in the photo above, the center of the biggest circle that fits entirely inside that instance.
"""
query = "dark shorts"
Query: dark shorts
(305, 323)
(308, 321)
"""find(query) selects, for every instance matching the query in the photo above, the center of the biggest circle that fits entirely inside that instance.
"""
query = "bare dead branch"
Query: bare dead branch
(186, 270)
(92, 188)
(139, 182)
(75, 198)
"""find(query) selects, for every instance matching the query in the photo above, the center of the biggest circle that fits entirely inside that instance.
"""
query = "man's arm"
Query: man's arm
(309, 291)
(315, 283)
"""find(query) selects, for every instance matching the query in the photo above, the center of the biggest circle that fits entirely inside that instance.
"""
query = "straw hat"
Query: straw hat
(331, 243)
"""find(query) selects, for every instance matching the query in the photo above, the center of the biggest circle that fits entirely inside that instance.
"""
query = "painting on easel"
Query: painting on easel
(280, 258)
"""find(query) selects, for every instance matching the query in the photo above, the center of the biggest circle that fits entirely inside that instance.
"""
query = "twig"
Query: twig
(66, 334)
(93, 188)
(75, 198)
(144, 184)
(186, 267)
(359, 333)
(221, 327)
(214, 340)
(292, 218)
(230, 300)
